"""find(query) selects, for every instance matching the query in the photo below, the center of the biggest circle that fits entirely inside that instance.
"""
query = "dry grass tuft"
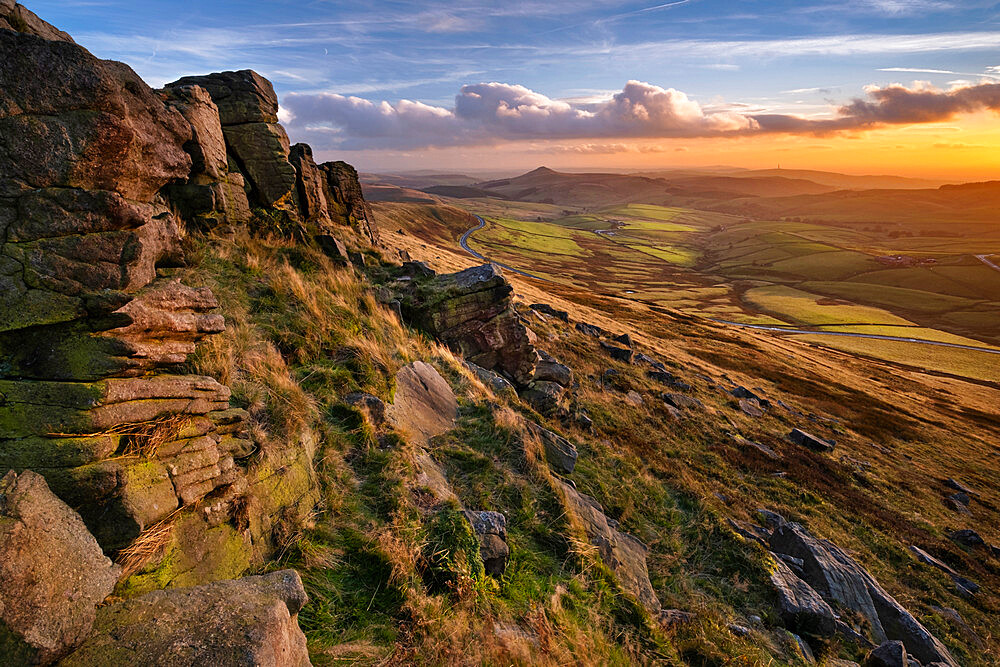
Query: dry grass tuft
(147, 548)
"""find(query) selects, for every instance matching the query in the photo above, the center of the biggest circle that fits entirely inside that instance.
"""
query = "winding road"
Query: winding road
(760, 327)
(465, 246)
(982, 258)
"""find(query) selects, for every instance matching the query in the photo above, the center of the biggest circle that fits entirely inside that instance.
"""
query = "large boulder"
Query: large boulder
(624, 554)
(243, 622)
(801, 608)
(839, 578)
(471, 312)
(424, 404)
(52, 570)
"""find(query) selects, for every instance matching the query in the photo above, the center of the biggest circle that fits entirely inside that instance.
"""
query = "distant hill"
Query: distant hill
(416, 181)
(970, 202)
(462, 192)
(603, 189)
(848, 181)
(395, 193)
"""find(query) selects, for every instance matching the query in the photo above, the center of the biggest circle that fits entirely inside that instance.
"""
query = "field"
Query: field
(923, 282)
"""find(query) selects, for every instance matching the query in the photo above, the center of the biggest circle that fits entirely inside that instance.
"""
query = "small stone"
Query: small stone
(800, 437)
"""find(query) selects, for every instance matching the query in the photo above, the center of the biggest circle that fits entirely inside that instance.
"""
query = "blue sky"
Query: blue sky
(758, 57)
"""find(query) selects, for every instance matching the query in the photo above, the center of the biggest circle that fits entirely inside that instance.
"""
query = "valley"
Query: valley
(900, 288)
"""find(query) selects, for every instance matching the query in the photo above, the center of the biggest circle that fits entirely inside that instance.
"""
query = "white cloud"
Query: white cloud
(489, 112)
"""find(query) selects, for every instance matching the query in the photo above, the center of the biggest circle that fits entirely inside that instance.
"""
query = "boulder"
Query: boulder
(548, 368)
(248, 112)
(241, 97)
(373, 407)
(549, 310)
(839, 578)
(801, 608)
(471, 312)
(682, 401)
(751, 408)
(590, 329)
(345, 201)
(212, 193)
(548, 398)
(967, 538)
(491, 528)
(669, 379)
(54, 573)
(559, 452)
(250, 621)
(888, 654)
(261, 150)
(424, 404)
(622, 354)
(624, 339)
(624, 554)
(311, 185)
(496, 382)
(333, 248)
(803, 439)
(763, 449)
(965, 586)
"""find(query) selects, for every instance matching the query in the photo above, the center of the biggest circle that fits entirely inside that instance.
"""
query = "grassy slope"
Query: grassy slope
(900, 430)
(302, 333)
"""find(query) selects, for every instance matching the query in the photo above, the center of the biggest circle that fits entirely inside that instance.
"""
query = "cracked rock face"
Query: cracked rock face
(94, 321)
(53, 572)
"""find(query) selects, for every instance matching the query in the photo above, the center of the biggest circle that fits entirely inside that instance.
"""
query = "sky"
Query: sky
(862, 86)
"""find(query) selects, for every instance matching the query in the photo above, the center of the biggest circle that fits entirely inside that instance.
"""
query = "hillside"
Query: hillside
(248, 417)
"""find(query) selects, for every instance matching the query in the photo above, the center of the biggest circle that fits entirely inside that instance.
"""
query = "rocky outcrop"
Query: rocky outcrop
(624, 554)
(810, 441)
(95, 323)
(243, 622)
(52, 570)
(248, 112)
(20, 19)
(345, 201)
(471, 312)
(242, 111)
(839, 579)
(213, 194)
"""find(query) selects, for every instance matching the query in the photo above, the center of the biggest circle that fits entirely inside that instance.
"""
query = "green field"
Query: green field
(768, 272)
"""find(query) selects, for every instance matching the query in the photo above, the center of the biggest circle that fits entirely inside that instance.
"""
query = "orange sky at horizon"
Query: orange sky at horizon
(965, 148)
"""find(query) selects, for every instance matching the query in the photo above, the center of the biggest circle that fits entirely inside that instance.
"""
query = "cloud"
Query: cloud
(490, 113)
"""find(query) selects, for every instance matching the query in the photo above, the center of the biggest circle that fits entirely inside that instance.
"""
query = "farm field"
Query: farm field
(923, 281)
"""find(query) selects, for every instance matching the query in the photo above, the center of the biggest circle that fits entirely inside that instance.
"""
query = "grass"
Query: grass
(963, 363)
(809, 309)
(392, 582)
